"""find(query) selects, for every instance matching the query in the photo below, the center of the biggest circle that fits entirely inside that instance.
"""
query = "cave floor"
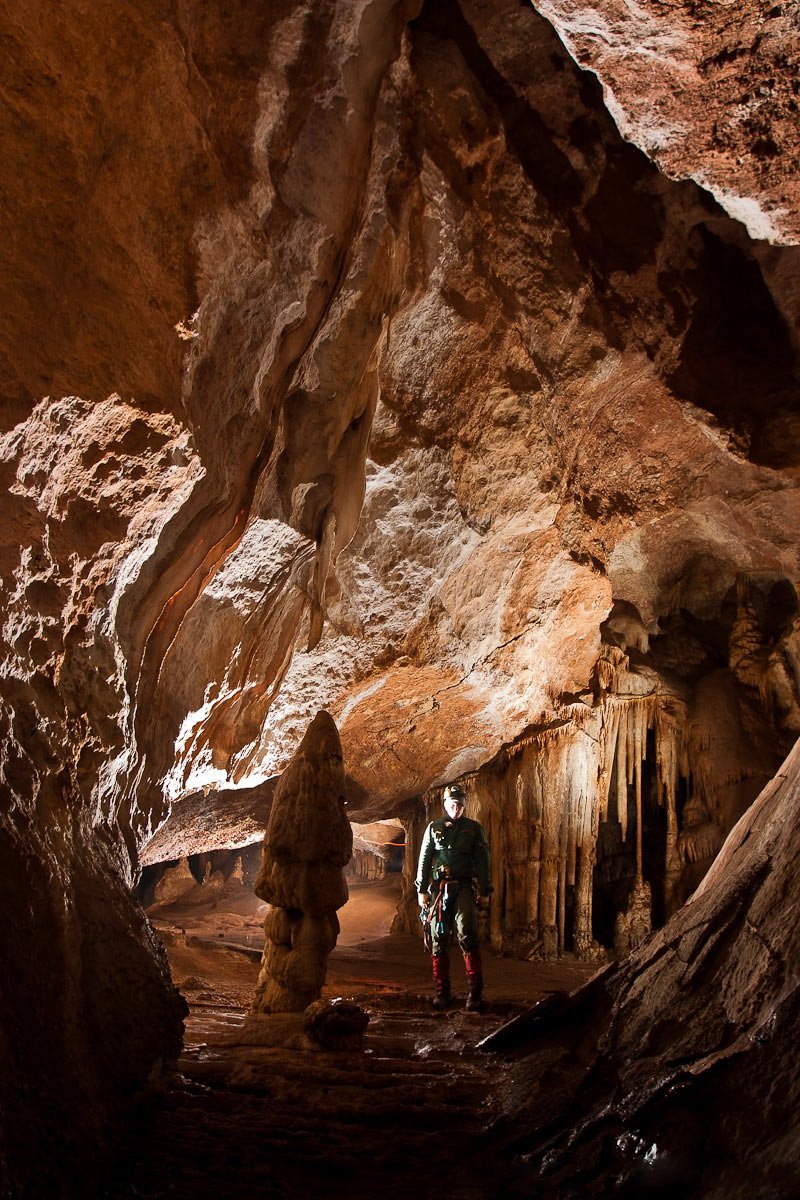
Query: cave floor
(412, 1111)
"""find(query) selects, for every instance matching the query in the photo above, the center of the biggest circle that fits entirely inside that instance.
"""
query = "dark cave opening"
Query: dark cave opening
(614, 872)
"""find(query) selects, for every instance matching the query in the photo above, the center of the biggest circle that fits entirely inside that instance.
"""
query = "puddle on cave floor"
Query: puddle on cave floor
(409, 1111)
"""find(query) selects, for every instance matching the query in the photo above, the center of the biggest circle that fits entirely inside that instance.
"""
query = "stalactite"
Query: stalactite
(366, 865)
(622, 774)
(670, 751)
(571, 843)
(544, 802)
(608, 749)
(535, 879)
(638, 775)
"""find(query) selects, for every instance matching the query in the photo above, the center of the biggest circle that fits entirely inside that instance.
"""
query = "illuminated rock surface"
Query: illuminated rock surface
(352, 359)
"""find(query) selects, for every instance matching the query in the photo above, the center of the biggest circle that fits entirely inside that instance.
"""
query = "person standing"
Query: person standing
(454, 866)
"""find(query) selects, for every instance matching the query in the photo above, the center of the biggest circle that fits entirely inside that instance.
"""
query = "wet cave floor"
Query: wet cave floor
(414, 1110)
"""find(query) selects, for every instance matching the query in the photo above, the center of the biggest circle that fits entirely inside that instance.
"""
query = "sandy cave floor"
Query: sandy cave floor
(414, 1110)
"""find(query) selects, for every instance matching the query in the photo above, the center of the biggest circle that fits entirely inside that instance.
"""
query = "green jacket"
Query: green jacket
(460, 845)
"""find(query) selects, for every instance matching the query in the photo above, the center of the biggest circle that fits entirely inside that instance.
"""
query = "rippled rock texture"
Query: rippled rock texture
(353, 359)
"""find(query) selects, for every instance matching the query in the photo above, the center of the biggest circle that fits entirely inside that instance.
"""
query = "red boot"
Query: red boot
(441, 977)
(474, 965)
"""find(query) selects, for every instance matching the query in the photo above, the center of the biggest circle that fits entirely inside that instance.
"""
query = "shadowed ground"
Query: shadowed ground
(411, 1111)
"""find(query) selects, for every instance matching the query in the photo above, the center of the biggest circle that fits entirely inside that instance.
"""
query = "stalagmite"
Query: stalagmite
(308, 843)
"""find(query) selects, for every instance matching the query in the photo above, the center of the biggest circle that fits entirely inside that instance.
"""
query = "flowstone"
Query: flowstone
(307, 845)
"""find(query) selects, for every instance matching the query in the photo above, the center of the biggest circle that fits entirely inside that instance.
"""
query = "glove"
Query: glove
(424, 899)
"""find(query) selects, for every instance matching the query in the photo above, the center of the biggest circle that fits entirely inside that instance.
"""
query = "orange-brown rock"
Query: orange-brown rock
(708, 91)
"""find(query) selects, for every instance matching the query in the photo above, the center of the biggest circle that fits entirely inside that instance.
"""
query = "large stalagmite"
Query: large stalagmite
(307, 845)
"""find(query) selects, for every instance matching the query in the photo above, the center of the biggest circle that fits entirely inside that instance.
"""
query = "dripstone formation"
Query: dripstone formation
(307, 845)
(688, 1083)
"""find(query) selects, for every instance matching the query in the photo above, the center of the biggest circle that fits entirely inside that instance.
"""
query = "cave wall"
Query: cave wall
(358, 355)
(151, 164)
(562, 426)
(642, 778)
(120, 129)
(676, 1069)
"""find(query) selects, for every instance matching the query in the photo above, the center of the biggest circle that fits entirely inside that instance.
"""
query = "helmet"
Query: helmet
(454, 791)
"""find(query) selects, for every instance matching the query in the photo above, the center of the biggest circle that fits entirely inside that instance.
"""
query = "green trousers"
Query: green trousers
(459, 912)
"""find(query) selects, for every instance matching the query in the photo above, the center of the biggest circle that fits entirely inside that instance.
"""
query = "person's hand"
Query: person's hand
(424, 899)
(484, 902)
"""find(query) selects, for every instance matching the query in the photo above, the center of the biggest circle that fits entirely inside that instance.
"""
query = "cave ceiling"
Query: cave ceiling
(423, 357)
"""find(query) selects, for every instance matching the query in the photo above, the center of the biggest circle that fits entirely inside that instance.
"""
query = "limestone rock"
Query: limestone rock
(704, 96)
(307, 844)
(701, 1019)
(176, 882)
(636, 922)
(308, 839)
(336, 1024)
(385, 376)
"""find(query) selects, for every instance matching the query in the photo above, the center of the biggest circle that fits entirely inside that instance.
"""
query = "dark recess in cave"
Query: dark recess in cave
(615, 869)
(737, 360)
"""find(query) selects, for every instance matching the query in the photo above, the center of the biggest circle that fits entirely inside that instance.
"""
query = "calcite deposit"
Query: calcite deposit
(688, 1080)
(430, 362)
(307, 845)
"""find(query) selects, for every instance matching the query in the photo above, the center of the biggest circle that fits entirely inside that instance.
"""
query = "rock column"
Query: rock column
(306, 847)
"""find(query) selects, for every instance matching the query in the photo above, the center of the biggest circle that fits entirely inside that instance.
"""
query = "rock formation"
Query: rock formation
(378, 848)
(176, 882)
(688, 1079)
(307, 845)
(432, 363)
(708, 92)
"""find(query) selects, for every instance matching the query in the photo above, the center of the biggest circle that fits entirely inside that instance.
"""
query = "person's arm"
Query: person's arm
(423, 880)
(482, 863)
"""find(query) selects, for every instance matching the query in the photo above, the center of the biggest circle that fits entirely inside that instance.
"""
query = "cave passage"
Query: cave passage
(238, 1114)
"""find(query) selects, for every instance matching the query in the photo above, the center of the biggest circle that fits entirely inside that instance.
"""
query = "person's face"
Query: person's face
(454, 807)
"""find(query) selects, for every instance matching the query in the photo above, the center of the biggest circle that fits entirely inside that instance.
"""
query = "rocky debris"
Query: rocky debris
(336, 1024)
(307, 845)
